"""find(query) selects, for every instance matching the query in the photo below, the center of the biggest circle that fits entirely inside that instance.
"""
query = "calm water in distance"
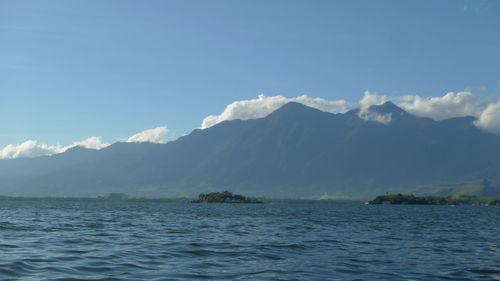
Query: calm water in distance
(164, 240)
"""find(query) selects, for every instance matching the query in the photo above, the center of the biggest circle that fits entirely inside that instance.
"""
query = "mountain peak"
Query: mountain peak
(395, 112)
(293, 105)
(294, 111)
(294, 108)
(387, 107)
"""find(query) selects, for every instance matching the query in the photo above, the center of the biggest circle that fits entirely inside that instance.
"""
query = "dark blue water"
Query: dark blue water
(141, 240)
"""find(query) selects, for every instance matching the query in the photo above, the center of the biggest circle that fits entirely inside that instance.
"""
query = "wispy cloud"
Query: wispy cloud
(369, 99)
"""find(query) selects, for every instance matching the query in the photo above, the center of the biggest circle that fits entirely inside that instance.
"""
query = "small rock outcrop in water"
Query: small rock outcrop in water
(223, 197)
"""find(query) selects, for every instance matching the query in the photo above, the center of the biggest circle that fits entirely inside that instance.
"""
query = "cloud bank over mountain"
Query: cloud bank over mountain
(31, 148)
(452, 104)
(458, 104)
(264, 105)
(448, 106)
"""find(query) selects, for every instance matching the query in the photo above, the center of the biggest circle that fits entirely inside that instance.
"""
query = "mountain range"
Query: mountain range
(294, 152)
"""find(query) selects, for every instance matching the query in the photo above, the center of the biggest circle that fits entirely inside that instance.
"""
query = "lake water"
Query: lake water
(163, 240)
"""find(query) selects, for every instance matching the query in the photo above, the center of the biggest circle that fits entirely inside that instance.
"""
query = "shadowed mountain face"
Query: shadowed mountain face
(296, 151)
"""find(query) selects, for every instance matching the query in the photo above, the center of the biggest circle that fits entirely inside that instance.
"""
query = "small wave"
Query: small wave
(487, 271)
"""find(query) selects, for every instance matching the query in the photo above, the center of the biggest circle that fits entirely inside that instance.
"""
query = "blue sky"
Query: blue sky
(74, 69)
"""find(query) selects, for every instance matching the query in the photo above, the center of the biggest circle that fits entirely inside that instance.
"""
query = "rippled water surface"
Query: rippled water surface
(164, 240)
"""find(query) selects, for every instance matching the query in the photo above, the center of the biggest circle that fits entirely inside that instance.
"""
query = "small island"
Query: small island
(223, 197)
(400, 199)
(118, 196)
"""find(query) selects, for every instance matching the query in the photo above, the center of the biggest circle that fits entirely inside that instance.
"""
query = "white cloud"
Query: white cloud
(29, 148)
(489, 120)
(90, 143)
(156, 135)
(448, 106)
(263, 106)
(367, 101)
(32, 148)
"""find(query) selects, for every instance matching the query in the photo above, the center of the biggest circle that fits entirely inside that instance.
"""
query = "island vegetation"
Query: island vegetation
(456, 199)
(223, 197)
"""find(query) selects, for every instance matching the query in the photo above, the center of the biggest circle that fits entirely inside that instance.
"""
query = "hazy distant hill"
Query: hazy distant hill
(296, 151)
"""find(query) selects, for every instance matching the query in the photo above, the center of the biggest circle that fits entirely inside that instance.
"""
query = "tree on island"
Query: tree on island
(223, 197)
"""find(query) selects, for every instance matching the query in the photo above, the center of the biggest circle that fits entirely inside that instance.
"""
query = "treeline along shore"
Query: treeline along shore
(400, 199)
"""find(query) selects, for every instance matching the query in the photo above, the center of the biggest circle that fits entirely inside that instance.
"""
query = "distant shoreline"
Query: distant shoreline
(178, 199)
(465, 200)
